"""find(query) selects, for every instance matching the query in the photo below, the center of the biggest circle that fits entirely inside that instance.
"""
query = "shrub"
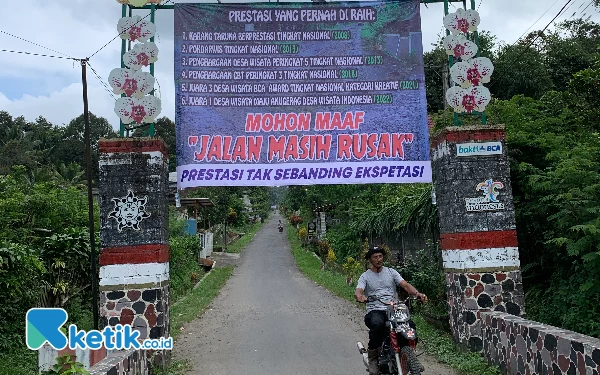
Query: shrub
(295, 220)
(330, 256)
(184, 264)
(424, 271)
(353, 268)
(344, 241)
(323, 247)
(302, 234)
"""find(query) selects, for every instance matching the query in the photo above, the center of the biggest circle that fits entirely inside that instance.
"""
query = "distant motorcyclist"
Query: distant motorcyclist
(379, 281)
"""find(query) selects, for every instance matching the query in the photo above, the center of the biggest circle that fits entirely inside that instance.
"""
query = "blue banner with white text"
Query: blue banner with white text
(273, 94)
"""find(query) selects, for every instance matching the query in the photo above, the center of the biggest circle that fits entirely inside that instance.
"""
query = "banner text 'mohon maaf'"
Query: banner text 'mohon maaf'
(272, 122)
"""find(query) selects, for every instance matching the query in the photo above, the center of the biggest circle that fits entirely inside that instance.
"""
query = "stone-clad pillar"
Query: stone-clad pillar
(134, 234)
(477, 227)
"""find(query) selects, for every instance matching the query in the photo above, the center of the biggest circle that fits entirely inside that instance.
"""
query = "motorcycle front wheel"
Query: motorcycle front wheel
(409, 362)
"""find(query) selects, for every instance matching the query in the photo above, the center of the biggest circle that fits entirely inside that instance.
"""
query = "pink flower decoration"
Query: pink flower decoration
(472, 72)
(475, 98)
(459, 51)
(143, 59)
(131, 82)
(460, 47)
(138, 113)
(130, 86)
(462, 21)
(468, 102)
(136, 29)
(463, 25)
(137, 110)
(142, 54)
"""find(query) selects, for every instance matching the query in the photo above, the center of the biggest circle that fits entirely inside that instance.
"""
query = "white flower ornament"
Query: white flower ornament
(142, 54)
(136, 110)
(136, 29)
(475, 98)
(138, 3)
(462, 21)
(472, 72)
(131, 82)
(459, 46)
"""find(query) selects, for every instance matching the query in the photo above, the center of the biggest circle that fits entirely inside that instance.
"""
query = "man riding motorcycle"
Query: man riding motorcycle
(381, 281)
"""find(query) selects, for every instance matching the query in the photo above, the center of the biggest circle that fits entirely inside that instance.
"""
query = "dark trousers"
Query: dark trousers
(375, 321)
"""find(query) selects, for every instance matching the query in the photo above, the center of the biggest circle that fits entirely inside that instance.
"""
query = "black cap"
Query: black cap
(374, 250)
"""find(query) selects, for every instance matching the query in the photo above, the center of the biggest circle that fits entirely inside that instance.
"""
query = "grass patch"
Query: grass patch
(238, 245)
(311, 267)
(193, 305)
(176, 367)
(438, 343)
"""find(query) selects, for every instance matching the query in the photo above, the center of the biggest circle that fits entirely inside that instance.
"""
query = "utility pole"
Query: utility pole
(88, 159)
(446, 80)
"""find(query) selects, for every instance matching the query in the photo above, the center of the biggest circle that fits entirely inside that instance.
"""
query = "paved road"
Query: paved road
(270, 319)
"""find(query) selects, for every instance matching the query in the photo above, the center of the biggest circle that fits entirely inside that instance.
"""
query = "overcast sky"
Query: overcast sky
(32, 86)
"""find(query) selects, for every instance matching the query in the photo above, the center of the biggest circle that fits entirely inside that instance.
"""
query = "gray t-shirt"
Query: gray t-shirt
(380, 284)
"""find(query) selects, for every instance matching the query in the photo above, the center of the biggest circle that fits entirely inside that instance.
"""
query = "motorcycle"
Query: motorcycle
(398, 352)
(280, 229)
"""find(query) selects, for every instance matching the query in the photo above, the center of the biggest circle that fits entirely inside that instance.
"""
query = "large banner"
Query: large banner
(274, 94)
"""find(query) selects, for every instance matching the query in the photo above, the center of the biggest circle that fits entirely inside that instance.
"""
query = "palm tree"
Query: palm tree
(70, 175)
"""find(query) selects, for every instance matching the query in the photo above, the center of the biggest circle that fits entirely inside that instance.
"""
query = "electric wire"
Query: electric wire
(575, 12)
(118, 35)
(35, 44)
(584, 9)
(534, 39)
(39, 54)
(538, 20)
(102, 82)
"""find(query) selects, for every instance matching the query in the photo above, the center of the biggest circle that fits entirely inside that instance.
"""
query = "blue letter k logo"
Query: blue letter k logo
(44, 325)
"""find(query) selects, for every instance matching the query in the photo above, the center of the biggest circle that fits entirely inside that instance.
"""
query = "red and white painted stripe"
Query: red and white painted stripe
(481, 258)
(480, 250)
(134, 274)
(112, 158)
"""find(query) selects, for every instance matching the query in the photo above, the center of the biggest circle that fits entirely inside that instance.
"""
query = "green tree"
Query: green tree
(519, 70)
(72, 145)
(165, 129)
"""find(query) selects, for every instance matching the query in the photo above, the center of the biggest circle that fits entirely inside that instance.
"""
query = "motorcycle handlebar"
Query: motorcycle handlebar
(376, 298)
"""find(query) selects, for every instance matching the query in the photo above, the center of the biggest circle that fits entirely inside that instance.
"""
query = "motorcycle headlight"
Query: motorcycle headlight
(401, 316)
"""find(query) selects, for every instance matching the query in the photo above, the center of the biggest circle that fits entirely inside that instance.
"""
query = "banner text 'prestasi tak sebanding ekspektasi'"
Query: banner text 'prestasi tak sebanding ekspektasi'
(272, 94)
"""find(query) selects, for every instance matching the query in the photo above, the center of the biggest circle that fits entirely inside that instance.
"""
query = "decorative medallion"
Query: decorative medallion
(129, 211)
